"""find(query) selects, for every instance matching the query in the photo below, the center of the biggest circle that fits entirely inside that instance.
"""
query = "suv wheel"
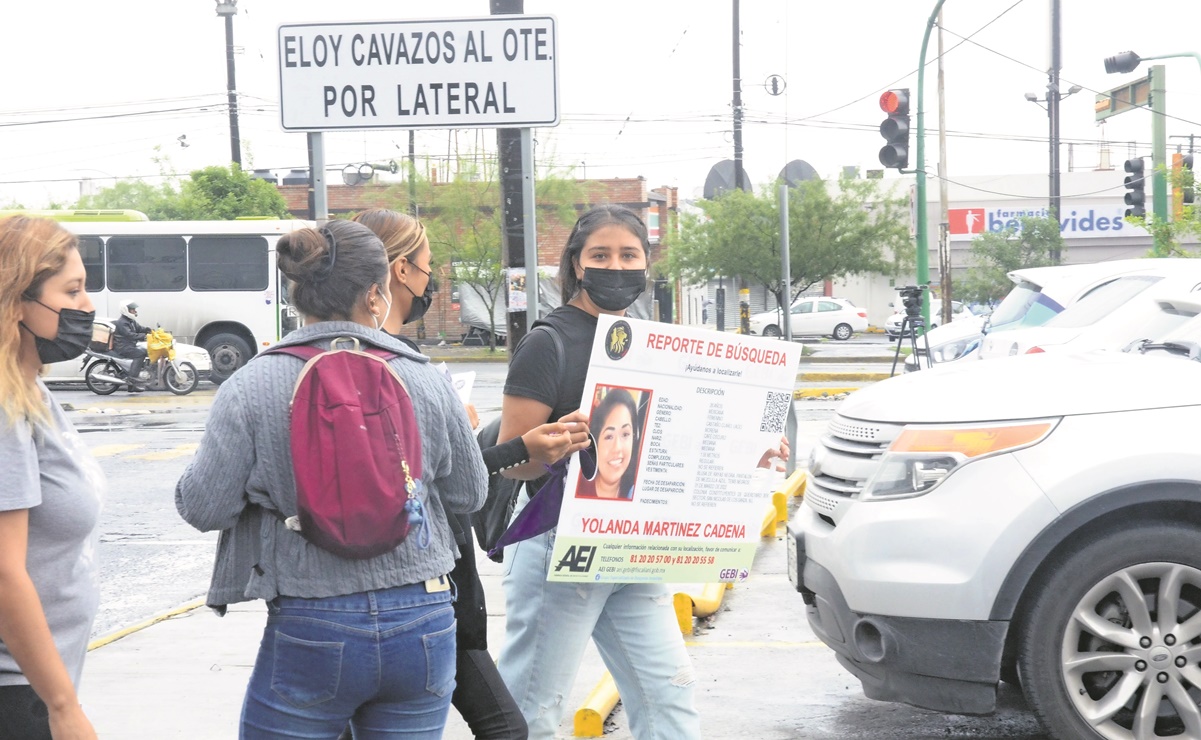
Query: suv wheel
(1112, 641)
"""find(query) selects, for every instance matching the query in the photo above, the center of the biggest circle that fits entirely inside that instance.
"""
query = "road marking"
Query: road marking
(109, 450)
(180, 451)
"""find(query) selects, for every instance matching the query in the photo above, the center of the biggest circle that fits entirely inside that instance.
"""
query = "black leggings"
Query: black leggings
(482, 698)
(23, 716)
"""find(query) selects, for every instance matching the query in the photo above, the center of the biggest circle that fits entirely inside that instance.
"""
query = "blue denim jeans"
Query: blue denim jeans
(547, 627)
(384, 661)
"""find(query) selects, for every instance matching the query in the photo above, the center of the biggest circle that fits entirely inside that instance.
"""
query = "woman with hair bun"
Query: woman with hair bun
(366, 642)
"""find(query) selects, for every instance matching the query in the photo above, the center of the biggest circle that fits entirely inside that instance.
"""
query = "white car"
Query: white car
(814, 317)
(71, 371)
(1111, 315)
(1038, 294)
(959, 310)
(1032, 519)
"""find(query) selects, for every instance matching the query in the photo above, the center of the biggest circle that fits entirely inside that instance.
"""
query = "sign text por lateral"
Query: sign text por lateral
(499, 71)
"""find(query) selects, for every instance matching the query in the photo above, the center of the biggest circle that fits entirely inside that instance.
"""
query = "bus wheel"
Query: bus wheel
(228, 352)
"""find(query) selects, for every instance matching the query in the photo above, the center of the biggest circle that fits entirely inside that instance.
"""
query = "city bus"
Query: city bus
(210, 283)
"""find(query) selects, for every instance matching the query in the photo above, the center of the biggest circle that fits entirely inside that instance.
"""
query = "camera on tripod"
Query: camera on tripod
(913, 324)
(911, 299)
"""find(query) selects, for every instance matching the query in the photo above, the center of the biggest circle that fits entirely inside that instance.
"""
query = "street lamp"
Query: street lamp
(1052, 99)
(227, 9)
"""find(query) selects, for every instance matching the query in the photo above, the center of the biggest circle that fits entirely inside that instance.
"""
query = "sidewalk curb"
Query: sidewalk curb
(834, 377)
(112, 637)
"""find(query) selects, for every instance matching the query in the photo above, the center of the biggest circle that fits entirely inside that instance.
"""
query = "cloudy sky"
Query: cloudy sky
(106, 90)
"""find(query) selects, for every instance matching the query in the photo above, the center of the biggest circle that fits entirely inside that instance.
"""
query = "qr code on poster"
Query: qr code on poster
(775, 412)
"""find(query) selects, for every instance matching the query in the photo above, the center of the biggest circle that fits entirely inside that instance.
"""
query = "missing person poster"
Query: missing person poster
(686, 421)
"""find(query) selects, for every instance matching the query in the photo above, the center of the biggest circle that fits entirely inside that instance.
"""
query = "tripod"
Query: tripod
(909, 327)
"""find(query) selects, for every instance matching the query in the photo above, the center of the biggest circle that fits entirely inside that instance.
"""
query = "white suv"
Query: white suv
(1035, 518)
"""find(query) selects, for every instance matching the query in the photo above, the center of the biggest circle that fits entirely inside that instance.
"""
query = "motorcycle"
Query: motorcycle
(104, 373)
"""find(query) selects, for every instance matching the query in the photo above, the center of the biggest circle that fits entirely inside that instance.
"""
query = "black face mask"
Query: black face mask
(421, 303)
(613, 290)
(74, 334)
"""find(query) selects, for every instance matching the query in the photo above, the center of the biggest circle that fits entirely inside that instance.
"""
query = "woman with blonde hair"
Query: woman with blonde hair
(480, 694)
(50, 488)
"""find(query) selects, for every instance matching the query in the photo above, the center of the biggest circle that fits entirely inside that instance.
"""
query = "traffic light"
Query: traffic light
(1136, 197)
(895, 128)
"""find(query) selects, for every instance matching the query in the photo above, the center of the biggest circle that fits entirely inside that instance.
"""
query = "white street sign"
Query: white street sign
(498, 71)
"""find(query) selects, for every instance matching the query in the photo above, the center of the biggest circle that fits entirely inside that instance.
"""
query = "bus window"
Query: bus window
(227, 263)
(150, 263)
(92, 251)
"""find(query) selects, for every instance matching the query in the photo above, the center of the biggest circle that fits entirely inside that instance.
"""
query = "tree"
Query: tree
(997, 253)
(210, 194)
(463, 221)
(855, 229)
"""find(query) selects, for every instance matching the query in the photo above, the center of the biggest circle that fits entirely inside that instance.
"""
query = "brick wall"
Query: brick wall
(442, 319)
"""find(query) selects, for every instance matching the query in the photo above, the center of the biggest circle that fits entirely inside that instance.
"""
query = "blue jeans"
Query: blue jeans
(547, 627)
(384, 661)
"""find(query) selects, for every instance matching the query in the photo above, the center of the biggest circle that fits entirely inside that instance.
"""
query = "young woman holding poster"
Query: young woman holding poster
(602, 270)
(480, 694)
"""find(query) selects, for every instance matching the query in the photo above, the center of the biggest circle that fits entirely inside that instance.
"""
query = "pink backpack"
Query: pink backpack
(356, 451)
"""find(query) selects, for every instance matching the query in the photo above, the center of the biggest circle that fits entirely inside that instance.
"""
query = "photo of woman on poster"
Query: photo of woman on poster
(617, 423)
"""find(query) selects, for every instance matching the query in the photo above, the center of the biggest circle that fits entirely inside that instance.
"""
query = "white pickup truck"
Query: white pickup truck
(1035, 519)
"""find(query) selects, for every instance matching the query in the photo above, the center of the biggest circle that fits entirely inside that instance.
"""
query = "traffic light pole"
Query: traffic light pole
(1159, 145)
(921, 228)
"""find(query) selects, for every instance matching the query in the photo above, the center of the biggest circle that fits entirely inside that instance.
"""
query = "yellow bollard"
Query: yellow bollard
(590, 718)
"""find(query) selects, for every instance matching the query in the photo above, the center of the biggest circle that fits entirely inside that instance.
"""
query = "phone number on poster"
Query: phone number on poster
(674, 559)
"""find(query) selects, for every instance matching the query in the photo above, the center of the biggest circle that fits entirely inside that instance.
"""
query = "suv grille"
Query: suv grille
(845, 457)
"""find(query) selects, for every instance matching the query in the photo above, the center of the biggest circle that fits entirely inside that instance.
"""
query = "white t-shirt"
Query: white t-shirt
(51, 472)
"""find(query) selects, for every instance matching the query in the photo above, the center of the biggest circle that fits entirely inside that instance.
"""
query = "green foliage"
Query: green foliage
(855, 229)
(463, 220)
(996, 254)
(225, 193)
(1168, 234)
(211, 194)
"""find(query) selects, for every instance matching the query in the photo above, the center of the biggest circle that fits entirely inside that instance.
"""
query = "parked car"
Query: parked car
(1033, 519)
(959, 310)
(1038, 294)
(71, 371)
(814, 317)
(1111, 314)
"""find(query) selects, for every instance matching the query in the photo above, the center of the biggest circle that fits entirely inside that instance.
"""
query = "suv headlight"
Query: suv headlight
(921, 457)
(948, 351)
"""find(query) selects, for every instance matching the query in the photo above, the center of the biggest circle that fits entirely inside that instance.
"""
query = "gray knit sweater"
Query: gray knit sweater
(245, 458)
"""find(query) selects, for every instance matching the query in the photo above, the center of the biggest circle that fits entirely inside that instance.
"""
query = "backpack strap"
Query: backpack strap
(306, 352)
(548, 328)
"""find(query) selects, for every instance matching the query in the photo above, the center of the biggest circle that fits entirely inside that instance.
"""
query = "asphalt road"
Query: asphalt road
(761, 672)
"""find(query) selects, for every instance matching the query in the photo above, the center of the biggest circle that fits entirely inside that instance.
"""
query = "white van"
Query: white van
(1106, 301)
(1034, 519)
(1038, 294)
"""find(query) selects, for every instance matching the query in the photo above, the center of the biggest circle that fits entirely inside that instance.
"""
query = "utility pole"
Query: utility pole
(228, 9)
(512, 201)
(1053, 113)
(413, 173)
(739, 175)
(944, 241)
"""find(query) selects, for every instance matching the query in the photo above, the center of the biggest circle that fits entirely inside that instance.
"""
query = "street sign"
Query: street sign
(493, 72)
(1126, 97)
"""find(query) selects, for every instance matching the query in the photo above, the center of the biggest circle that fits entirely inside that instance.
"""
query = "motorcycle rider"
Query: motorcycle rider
(125, 341)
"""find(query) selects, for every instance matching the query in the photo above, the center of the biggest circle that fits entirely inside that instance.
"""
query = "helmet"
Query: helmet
(129, 309)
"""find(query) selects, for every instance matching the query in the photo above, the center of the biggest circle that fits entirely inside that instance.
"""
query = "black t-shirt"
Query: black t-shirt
(534, 370)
